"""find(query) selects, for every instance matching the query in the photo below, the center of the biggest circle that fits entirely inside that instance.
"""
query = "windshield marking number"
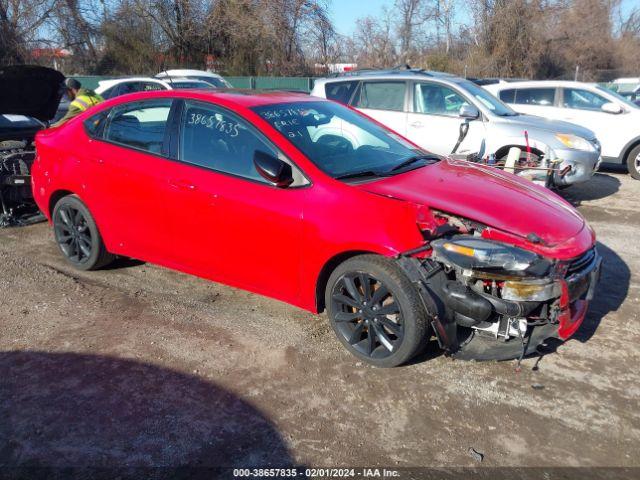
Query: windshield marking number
(230, 129)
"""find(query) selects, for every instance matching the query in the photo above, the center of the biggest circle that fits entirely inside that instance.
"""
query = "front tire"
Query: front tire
(633, 162)
(376, 311)
(77, 235)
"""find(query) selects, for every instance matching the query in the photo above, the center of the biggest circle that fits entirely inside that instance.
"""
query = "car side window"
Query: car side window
(582, 99)
(139, 125)
(508, 96)
(381, 96)
(94, 125)
(109, 92)
(134, 87)
(214, 138)
(434, 99)
(542, 97)
(340, 91)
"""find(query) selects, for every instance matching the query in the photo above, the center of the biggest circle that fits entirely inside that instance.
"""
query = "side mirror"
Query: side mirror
(272, 169)
(611, 107)
(469, 111)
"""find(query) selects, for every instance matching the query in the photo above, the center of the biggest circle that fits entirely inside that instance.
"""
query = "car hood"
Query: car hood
(486, 195)
(528, 122)
(30, 90)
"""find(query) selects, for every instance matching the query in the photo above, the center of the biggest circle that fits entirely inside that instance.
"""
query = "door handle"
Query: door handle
(183, 185)
(417, 124)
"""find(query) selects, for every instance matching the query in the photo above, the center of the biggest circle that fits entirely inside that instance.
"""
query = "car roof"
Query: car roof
(538, 83)
(237, 97)
(171, 80)
(114, 81)
(395, 73)
(185, 71)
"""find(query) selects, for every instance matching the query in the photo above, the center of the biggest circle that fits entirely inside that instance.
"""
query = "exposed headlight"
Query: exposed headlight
(575, 142)
(473, 253)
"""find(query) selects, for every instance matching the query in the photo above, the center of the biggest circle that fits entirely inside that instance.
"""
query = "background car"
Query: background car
(431, 108)
(310, 202)
(122, 86)
(213, 78)
(614, 119)
(29, 98)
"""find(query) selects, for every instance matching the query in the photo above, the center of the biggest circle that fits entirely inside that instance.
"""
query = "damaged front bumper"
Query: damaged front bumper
(478, 317)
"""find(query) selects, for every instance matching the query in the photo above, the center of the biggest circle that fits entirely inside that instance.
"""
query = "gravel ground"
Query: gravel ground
(138, 365)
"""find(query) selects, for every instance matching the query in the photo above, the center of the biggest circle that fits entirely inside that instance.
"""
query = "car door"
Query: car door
(584, 107)
(125, 178)
(385, 101)
(434, 122)
(227, 222)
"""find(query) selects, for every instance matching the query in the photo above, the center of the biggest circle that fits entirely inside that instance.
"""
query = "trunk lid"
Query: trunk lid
(30, 90)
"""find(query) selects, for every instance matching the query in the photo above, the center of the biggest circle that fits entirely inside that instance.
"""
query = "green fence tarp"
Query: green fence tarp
(303, 84)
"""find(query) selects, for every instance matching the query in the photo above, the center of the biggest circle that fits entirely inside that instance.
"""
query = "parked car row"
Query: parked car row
(445, 114)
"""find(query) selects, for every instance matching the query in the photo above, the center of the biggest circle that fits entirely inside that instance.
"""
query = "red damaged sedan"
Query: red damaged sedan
(312, 203)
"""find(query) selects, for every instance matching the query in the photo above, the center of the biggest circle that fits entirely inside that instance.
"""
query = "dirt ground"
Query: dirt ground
(137, 365)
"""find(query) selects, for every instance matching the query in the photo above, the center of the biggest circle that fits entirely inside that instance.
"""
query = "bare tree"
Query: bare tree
(20, 25)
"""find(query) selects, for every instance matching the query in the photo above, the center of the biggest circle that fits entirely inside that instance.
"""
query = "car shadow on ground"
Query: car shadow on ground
(601, 185)
(123, 262)
(610, 292)
(609, 296)
(61, 410)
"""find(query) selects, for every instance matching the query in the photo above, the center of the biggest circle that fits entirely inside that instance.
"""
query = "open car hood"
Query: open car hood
(486, 195)
(30, 90)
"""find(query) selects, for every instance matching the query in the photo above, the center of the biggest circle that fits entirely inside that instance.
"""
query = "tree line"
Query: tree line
(597, 39)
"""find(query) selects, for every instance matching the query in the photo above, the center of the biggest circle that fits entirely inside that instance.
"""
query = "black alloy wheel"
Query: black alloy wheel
(77, 235)
(375, 311)
(73, 234)
(367, 315)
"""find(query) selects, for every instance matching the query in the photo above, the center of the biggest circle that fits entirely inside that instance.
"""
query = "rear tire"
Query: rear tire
(376, 311)
(633, 162)
(77, 235)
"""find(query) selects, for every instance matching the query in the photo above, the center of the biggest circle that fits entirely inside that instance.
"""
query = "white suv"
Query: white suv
(614, 119)
(429, 108)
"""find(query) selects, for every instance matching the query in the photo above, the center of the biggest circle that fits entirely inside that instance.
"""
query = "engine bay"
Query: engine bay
(16, 200)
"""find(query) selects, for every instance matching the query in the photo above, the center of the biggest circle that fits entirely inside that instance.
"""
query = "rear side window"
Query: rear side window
(215, 138)
(340, 91)
(109, 92)
(508, 96)
(381, 96)
(139, 125)
(94, 125)
(582, 99)
(543, 97)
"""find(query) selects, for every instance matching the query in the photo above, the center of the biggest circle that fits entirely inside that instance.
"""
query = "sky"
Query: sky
(346, 12)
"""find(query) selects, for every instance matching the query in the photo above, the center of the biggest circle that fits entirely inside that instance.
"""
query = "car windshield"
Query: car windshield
(626, 101)
(341, 142)
(487, 99)
(216, 82)
(195, 84)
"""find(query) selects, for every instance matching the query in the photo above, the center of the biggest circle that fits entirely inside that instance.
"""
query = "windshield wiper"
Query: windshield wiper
(363, 173)
(414, 159)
